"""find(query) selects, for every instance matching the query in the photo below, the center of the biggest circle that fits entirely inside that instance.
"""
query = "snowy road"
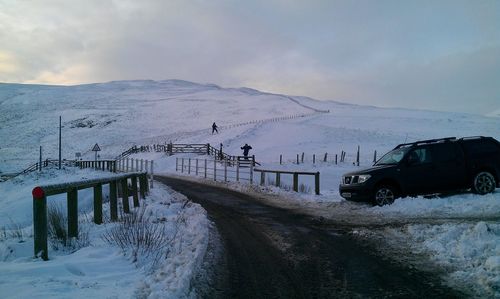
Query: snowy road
(275, 253)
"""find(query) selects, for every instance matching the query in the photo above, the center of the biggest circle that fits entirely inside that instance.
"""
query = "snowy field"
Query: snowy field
(460, 233)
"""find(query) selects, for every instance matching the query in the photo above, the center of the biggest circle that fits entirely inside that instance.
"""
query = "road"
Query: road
(275, 253)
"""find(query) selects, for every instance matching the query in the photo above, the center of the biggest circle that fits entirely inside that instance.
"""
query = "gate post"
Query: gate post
(196, 167)
(113, 204)
(225, 170)
(126, 207)
(98, 204)
(215, 169)
(40, 223)
(316, 183)
(134, 191)
(296, 182)
(72, 207)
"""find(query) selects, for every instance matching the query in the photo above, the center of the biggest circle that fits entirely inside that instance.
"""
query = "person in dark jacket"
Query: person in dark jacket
(246, 148)
(214, 128)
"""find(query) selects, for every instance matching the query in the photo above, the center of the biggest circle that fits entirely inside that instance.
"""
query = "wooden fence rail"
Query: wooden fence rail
(295, 174)
(109, 165)
(41, 193)
(226, 171)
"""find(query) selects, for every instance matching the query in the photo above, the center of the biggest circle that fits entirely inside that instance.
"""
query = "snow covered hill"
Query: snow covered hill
(117, 115)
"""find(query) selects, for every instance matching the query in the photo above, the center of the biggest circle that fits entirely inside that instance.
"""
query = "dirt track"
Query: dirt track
(274, 253)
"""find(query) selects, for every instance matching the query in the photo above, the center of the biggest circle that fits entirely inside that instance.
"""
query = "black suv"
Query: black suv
(427, 167)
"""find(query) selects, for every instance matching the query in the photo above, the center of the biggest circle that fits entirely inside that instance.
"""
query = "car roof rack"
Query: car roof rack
(426, 142)
(472, 137)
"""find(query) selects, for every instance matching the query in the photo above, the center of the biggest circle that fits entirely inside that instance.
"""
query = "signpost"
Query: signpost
(96, 149)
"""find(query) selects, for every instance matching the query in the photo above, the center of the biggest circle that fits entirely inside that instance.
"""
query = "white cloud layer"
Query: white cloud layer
(433, 55)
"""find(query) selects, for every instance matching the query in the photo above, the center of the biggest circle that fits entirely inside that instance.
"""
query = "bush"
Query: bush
(143, 237)
(57, 223)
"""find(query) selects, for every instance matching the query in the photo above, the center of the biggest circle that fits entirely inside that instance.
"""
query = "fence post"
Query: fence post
(125, 204)
(335, 159)
(182, 165)
(72, 212)
(215, 169)
(196, 164)
(324, 160)
(134, 191)
(237, 171)
(113, 204)
(176, 164)
(281, 159)
(152, 173)
(357, 157)
(205, 168)
(251, 173)
(98, 204)
(278, 179)
(375, 156)
(143, 183)
(316, 183)
(262, 178)
(314, 158)
(296, 182)
(189, 166)
(302, 160)
(297, 158)
(40, 223)
(142, 164)
(126, 170)
(208, 149)
(132, 164)
(225, 169)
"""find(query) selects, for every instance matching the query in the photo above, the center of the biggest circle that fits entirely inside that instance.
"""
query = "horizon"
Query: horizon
(441, 56)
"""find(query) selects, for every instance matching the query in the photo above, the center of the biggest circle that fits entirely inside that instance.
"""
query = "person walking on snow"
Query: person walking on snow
(214, 128)
(246, 148)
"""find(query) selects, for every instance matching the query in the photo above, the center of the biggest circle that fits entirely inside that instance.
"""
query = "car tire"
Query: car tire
(484, 182)
(384, 195)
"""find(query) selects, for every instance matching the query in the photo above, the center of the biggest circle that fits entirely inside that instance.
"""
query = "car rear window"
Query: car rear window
(482, 146)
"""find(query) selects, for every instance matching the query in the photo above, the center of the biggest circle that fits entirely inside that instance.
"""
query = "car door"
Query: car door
(448, 166)
(417, 171)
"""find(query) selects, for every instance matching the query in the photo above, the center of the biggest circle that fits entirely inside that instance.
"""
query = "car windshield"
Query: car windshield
(392, 157)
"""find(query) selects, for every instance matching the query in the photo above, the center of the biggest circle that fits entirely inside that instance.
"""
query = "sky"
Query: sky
(437, 55)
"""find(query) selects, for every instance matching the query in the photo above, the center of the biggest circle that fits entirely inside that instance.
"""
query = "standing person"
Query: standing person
(214, 128)
(246, 148)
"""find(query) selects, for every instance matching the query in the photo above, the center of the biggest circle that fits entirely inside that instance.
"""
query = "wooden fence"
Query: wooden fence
(224, 170)
(332, 158)
(295, 175)
(41, 193)
(109, 165)
(228, 171)
(136, 165)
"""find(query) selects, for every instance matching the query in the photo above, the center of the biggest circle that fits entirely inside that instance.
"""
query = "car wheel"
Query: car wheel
(484, 182)
(385, 195)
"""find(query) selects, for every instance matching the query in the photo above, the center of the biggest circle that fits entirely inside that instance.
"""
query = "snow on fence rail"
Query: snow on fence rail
(41, 193)
(226, 170)
(136, 165)
(295, 174)
(336, 158)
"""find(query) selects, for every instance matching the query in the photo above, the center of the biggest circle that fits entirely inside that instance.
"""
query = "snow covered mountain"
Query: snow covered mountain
(119, 114)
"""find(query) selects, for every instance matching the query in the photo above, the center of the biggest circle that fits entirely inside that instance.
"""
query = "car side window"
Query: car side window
(420, 156)
(445, 152)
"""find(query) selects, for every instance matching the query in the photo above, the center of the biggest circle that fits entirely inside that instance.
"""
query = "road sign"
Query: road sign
(96, 148)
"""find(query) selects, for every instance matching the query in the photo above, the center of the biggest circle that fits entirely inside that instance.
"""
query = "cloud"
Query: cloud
(435, 55)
